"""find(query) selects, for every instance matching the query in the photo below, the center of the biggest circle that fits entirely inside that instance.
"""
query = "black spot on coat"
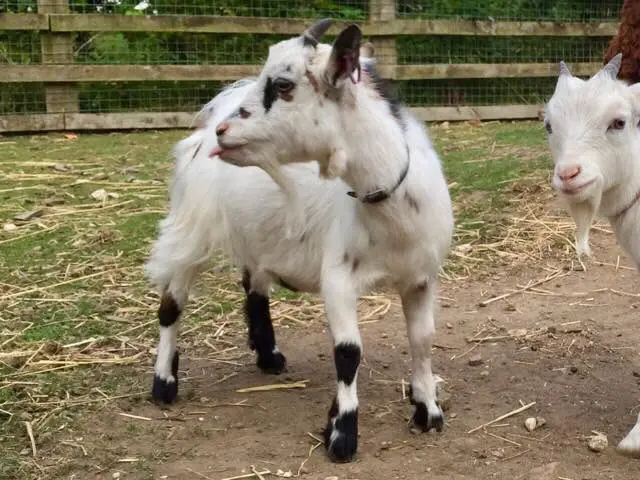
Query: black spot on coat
(270, 95)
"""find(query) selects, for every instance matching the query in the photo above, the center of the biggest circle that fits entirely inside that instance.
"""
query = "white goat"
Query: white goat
(382, 212)
(595, 145)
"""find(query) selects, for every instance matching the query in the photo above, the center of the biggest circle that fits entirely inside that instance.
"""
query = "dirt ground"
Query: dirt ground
(582, 372)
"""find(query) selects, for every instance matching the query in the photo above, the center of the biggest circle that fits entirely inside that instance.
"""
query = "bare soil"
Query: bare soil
(583, 373)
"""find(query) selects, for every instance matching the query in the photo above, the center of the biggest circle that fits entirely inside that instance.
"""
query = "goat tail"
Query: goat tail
(196, 224)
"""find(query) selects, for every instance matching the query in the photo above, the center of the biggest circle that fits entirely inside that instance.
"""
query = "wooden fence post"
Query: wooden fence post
(385, 47)
(57, 48)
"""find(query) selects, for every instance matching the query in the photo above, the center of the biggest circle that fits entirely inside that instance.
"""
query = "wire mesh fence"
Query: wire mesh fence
(187, 48)
(519, 10)
(535, 10)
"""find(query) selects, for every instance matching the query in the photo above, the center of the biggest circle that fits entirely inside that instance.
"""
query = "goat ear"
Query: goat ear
(312, 35)
(344, 59)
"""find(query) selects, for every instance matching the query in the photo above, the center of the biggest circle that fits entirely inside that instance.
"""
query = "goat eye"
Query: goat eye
(617, 124)
(547, 125)
(283, 85)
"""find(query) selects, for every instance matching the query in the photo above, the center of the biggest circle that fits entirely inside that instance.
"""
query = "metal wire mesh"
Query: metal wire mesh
(22, 98)
(20, 47)
(171, 48)
(186, 48)
(146, 97)
(476, 91)
(452, 49)
(534, 10)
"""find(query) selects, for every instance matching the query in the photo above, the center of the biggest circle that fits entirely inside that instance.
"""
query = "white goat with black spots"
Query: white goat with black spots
(373, 207)
(595, 144)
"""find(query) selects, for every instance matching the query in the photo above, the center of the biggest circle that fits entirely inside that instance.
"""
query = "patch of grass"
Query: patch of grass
(79, 318)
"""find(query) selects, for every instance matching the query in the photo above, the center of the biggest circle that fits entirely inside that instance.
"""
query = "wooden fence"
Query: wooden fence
(61, 76)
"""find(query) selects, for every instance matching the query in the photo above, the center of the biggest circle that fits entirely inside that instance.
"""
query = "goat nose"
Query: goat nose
(223, 127)
(567, 173)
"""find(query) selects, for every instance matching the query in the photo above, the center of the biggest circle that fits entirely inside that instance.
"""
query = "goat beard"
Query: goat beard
(583, 214)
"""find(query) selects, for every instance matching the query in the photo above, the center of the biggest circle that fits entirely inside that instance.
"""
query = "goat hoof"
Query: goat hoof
(274, 363)
(424, 420)
(165, 390)
(341, 437)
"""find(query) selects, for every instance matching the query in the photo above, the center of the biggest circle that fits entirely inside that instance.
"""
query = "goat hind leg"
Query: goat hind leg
(262, 337)
(172, 302)
(418, 304)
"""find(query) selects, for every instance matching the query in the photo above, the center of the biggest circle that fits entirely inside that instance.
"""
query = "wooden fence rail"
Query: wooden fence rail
(61, 75)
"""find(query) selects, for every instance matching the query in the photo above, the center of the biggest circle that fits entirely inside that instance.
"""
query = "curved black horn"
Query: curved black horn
(314, 33)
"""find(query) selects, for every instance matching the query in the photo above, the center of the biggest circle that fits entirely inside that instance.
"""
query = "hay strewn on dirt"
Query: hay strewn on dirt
(78, 327)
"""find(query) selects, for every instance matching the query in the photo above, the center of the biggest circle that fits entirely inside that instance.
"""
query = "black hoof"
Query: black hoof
(273, 363)
(341, 437)
(166, 390)
(424, 420)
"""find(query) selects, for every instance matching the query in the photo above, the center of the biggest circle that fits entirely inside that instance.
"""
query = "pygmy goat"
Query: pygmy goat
(595, 144)
(373, 206)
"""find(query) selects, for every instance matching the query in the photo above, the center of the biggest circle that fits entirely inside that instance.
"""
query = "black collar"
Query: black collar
(381, 194)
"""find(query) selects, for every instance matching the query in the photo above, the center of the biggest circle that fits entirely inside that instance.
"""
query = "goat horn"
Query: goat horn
(613, 67)
(314, 33)
(564, 70)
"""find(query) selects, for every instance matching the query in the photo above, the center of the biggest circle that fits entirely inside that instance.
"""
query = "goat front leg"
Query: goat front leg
(341, 432)
(418, 304)
(172, 302)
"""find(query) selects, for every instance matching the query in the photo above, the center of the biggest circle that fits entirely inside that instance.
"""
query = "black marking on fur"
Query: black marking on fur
(288, 69)
(197, 150)
(163, 391)
(246, 280)
(355, 265)
(261, 335)
(345, 257)
(386, 91)
(169, 311)
(270, 95)
(315, 122)
(345, 444)
(413, 203)
(347, 359)
(421, 418)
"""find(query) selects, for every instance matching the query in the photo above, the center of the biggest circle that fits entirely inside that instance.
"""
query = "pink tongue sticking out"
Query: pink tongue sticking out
(216, 151)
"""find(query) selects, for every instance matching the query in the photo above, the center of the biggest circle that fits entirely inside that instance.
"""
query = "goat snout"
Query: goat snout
(567, 173)
(222, 128)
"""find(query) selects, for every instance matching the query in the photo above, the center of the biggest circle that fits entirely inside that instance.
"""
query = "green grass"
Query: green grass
(72, 287)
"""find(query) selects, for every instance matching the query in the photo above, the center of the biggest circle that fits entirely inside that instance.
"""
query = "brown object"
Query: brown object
(627, 42)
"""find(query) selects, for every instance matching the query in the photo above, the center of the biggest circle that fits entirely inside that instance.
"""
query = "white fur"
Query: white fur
(580, 113)
(236, 206)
